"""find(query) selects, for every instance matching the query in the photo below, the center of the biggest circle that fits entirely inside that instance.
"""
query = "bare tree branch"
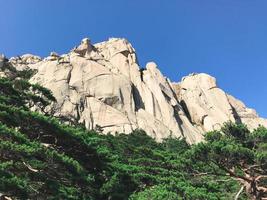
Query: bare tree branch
(239, 192)
(30, 168)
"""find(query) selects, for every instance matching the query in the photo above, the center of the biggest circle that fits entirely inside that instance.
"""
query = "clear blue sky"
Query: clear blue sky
(225, 38)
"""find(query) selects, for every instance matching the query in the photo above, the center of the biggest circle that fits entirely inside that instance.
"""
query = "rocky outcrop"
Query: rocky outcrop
(25, 61)
(245, 115)
(208, 107)
(2, 60)
(103, 87)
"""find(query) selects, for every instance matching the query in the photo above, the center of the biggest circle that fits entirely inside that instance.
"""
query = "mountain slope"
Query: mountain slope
(103, 86)
(41, 157)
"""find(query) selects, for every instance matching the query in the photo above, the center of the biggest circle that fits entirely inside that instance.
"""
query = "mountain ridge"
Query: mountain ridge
(103, 86)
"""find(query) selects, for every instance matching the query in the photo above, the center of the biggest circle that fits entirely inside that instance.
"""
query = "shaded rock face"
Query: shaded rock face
(102, 86)
(2, 59)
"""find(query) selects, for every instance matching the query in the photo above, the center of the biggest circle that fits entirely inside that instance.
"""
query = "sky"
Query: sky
(224, 38)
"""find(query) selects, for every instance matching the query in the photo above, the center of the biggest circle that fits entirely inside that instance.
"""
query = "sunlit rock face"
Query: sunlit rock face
(25, 61)
(103, 86)
(208, 107)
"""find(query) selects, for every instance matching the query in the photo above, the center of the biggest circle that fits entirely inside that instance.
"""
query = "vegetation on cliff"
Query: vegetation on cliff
(43, 158)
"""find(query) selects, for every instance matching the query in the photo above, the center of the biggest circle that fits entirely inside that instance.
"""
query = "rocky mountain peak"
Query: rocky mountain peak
(103, 86)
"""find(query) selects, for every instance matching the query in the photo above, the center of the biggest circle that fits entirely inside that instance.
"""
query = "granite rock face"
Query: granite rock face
(103, 86)
(2, 58)
(25, 61)
(208, 107)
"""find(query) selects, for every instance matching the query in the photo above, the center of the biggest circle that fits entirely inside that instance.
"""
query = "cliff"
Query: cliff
(103, 87)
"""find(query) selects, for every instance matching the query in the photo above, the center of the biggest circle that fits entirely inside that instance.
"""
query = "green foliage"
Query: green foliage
(42, 158)
(239, 153)
(157, 192)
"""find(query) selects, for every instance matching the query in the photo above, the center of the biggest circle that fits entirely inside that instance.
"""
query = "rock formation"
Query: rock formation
(208, 107)
(2, 58)
(102, 86)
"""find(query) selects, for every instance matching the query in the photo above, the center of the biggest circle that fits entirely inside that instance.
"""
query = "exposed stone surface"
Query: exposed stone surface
(246, 115)
(102, 86)
(208, 107)
(53, 56)
(25, 61)
(2, 59)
